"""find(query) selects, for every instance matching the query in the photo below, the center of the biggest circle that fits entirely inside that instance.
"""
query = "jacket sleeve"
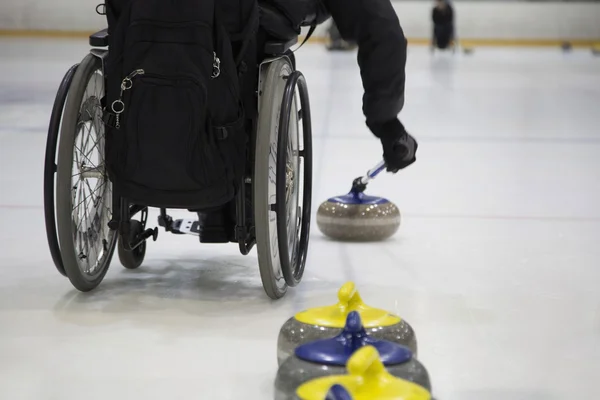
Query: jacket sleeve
(374, 26)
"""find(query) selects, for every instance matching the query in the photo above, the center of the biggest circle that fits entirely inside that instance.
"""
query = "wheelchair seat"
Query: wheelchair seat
(279, 47)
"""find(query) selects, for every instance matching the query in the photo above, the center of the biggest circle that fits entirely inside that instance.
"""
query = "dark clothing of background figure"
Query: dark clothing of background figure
(443, 25)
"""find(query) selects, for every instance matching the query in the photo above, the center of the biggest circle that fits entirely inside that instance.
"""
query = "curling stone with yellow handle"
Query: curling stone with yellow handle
(367, 379)
(328, 357)
(327, 322)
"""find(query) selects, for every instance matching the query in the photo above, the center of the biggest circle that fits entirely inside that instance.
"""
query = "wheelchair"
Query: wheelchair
(273, 202)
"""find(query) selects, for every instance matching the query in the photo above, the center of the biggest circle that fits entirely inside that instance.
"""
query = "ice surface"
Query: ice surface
(496, 265)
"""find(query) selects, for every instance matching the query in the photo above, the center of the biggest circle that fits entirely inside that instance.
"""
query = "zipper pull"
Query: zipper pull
(127, 82)
(134, 74)
(216, 66)
(118, 106)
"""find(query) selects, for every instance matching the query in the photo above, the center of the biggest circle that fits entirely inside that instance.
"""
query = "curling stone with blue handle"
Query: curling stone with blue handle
(367, 379)
(329, 357)
(358, 217)
(327, 322)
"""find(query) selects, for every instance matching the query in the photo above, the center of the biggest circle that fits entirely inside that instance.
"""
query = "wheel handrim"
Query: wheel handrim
(50, 168)
(91, 191)
(293, 179)
(293, 232)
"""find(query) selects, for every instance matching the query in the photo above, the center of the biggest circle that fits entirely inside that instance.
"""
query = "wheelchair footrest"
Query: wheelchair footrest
(186, 227)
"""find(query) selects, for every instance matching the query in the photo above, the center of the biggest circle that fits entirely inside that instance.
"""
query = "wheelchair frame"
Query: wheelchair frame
(131, 234)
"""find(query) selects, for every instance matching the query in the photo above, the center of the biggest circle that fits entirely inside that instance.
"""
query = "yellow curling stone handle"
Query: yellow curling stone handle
(368, 380)
(349, 300)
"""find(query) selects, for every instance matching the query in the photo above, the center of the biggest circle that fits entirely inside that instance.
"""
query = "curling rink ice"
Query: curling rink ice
(496, 264)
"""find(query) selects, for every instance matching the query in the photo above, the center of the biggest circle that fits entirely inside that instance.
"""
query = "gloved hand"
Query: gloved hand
(399, 148)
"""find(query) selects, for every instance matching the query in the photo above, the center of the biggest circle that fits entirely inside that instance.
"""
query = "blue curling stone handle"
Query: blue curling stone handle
(358, 198)
(373, 173)
(337, 392)
(337, 350)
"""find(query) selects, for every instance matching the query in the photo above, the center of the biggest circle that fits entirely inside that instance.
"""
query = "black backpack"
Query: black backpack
(176, 128)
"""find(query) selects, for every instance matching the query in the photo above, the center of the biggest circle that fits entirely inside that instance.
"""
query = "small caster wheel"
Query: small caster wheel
(134, 258)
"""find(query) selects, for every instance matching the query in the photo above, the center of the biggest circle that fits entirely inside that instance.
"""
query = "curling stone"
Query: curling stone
(596, 51)
(329, 357)
(329, 321)
(358, 217)
(367, 380)
(566, 46)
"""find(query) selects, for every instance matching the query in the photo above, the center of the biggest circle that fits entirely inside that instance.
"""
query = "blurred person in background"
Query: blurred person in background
(443, 24)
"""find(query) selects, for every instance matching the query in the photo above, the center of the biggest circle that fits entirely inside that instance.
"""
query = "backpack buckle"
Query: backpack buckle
(110, 119)
(216, 66)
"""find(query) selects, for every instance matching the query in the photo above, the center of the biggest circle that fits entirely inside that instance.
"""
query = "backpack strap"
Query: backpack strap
(313, 26)
(245, 35)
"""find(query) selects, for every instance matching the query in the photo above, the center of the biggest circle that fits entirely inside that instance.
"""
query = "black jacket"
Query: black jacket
(374, 26)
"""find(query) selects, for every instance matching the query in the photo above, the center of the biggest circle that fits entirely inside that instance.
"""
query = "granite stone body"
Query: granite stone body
(358, 218)
(294, 372)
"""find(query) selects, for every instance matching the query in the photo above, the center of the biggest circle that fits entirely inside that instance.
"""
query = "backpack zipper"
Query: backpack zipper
(216, 66)
(118, 106)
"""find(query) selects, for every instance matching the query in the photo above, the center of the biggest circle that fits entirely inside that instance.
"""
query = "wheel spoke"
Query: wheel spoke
(90, 206)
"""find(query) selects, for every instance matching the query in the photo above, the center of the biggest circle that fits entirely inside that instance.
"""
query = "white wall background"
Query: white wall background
(492, 19)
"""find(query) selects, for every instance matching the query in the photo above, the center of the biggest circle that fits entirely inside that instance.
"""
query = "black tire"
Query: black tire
(132, 259)
(50, 168)
(271, 92)
(276, 98)
(83, 110)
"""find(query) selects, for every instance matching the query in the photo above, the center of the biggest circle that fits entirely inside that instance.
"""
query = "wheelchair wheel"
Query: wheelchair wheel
(83, 190)
(50, 168)
(132, 259)
(282, 178)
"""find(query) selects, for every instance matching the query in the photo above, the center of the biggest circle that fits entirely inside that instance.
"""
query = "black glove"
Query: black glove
(399, 148)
